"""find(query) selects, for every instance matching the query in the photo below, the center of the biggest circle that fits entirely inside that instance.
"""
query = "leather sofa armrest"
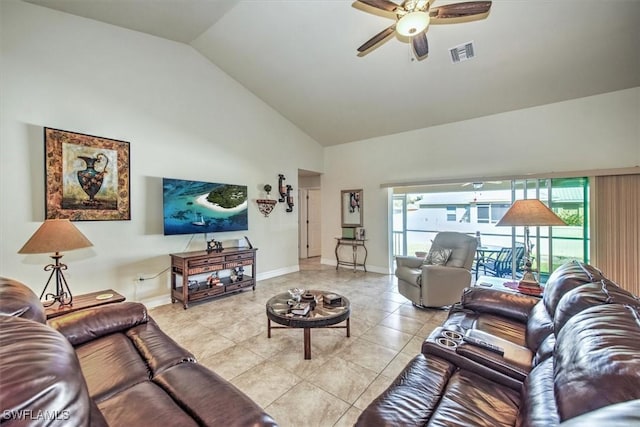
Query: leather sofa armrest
(433, 274)
(409, 261)
(91, 323)
(40, 375)
(506, 304)
(16, 299)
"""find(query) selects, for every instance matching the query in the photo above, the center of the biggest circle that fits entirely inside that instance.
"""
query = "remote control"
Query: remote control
(483, 344)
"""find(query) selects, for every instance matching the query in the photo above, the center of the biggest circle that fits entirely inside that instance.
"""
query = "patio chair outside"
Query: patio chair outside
(500, 265)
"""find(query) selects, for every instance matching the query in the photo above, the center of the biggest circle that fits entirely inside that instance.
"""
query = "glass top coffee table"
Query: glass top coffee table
(320, 316)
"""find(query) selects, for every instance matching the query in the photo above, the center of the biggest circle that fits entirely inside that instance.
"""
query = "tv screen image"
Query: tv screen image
(203, 207)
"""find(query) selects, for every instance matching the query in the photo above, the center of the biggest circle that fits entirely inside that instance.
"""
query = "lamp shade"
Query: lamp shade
(55, 235)
(529, 212)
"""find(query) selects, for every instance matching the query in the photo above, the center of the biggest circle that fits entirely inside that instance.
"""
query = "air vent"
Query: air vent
(462, 52)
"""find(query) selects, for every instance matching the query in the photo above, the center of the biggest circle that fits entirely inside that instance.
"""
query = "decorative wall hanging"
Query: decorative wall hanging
(289, 199)
(265, 206)
(281, 188)
(352, 205)
(87, 177)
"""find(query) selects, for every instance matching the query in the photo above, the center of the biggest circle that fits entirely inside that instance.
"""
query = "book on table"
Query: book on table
(301, 308)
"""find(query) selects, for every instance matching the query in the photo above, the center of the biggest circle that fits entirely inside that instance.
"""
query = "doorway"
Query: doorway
(309, 219)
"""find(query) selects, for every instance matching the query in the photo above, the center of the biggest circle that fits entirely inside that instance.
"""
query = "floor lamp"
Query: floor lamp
(56, 235)
(529, 213)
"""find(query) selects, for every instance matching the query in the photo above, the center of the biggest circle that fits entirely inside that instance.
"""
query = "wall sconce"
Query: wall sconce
(265, 206)
(289, 199)
(281, 188)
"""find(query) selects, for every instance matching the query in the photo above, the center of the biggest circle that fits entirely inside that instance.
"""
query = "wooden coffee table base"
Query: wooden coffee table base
(307, 334)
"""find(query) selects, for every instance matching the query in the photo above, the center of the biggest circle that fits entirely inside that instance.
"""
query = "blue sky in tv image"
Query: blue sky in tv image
(188, 209)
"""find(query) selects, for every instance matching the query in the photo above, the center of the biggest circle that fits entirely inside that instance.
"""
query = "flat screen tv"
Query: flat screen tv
(203, 207)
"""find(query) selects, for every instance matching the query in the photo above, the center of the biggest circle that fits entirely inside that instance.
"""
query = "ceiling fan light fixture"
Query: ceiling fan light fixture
(413, 23)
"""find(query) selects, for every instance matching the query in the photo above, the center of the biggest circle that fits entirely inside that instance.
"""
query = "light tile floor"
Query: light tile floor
(229, 336)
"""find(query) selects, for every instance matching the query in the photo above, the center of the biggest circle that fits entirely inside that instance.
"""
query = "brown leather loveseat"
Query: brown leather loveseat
(570, 358)
(110, 365)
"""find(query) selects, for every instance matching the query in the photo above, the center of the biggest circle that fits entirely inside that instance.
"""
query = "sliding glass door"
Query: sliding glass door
(474, 208)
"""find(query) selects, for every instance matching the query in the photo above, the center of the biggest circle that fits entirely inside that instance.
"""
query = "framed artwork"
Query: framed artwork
(351, 201)
(86, 177)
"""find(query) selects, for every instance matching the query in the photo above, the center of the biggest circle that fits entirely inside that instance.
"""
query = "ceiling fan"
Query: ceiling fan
(414, 16)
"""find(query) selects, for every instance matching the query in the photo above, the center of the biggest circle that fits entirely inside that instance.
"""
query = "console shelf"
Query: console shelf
(198, 263)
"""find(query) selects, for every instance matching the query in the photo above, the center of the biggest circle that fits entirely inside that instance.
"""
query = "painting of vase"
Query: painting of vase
(87, 176)
(88, 181)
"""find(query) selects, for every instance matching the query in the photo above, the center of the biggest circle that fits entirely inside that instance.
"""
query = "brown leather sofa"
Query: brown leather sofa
(110, 365)
(577, 363)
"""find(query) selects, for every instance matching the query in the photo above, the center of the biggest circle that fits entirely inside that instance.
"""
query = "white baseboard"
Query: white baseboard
(278, 272)
(156, 301)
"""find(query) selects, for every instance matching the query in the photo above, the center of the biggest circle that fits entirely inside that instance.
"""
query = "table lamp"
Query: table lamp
(56, 235)
(529, 213)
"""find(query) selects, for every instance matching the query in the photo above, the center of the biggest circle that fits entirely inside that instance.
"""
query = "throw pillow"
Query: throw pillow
(438, 256)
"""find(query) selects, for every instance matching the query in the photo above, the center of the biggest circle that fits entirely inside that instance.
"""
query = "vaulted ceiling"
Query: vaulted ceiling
(299, 56)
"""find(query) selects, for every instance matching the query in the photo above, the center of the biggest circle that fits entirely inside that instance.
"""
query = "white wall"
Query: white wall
(184, 118)
(590, 133)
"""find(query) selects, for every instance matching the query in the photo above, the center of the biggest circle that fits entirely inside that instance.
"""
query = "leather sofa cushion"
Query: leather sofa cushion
(591, 294)
(539, 326)
(413, 396)
(473, 400)
(597, 359)
(432, 391)
(197, 389)
(18, 300)
(155, 408)
(566, 277)
(40, 375)
(157, 349)
(110, 365)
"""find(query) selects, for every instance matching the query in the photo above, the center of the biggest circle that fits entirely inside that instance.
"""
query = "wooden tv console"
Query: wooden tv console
(198, 263)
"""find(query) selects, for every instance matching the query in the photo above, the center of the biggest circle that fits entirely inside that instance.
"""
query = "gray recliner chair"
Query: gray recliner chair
(438, 285)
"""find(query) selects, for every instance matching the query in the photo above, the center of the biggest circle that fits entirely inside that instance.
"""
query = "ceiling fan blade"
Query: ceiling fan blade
(377, 38)
(420, 45)
(381, 4)
(460, 12)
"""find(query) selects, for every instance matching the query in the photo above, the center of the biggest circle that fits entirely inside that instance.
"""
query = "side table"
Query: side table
(355, 244)
(93, 299)
(499, 284)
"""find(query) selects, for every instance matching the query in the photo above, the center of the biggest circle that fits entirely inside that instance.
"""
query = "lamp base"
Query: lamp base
(528, 284)
(63, 293)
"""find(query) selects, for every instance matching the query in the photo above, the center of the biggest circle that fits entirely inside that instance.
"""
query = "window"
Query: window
(483, 214)
(498, 211)
(451, 213)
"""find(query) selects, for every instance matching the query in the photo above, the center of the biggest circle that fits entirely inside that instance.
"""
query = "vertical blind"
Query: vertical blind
(616, 229)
